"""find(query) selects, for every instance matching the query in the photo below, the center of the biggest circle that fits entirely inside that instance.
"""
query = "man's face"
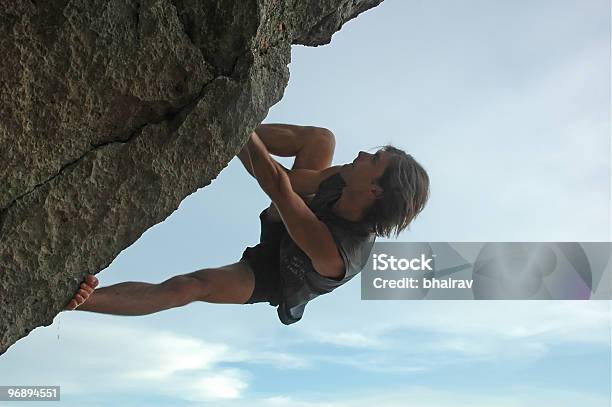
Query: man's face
(364, 171)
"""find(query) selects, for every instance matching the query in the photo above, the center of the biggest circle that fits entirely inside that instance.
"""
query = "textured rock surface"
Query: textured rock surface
(113, 112)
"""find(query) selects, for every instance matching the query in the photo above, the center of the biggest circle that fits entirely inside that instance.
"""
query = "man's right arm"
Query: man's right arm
(287, 140)
(303, 181)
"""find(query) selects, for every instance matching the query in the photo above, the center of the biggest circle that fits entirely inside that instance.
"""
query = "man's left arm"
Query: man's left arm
(306, 230)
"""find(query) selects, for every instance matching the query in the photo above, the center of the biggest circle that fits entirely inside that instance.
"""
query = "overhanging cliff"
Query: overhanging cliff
(111, 113)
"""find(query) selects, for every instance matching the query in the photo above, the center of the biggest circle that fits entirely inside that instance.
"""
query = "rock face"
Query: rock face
(113, 112)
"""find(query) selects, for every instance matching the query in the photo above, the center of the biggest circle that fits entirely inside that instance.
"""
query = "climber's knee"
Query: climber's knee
(230, 284)
(183, 289)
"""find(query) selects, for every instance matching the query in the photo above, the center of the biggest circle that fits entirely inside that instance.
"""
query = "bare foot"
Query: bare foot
(87, 287)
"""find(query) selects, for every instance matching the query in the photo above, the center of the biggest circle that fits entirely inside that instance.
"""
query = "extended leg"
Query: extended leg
(231, 284)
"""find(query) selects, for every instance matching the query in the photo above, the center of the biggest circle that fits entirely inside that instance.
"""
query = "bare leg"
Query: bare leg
(130, 298)
(231, 284)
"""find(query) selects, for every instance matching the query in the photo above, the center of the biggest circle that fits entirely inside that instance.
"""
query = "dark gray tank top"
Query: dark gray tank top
(300, 282)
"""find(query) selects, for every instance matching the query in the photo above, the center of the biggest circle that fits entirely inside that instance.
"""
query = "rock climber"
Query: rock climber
(316, 234)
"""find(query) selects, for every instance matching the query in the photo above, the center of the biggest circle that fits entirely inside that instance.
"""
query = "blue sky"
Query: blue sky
(506, 104)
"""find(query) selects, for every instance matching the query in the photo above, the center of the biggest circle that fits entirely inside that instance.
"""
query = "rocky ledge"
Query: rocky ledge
(111, 113)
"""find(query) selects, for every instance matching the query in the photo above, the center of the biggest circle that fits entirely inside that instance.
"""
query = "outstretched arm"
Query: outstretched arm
(306, 230)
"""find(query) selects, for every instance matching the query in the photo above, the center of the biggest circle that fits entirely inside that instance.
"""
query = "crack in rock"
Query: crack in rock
(167, 116)
(169, 91)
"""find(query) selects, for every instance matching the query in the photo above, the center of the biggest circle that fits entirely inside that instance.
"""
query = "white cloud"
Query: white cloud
(97, 355)
(546, 321)
(227, 385)
(114, 355)
(428, 396)
(347, 339)
(425, 335)
(282, 401)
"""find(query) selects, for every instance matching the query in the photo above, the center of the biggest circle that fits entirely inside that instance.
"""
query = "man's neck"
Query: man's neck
(349, 208)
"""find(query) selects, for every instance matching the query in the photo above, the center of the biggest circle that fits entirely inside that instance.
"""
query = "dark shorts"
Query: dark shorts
(263, 259)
